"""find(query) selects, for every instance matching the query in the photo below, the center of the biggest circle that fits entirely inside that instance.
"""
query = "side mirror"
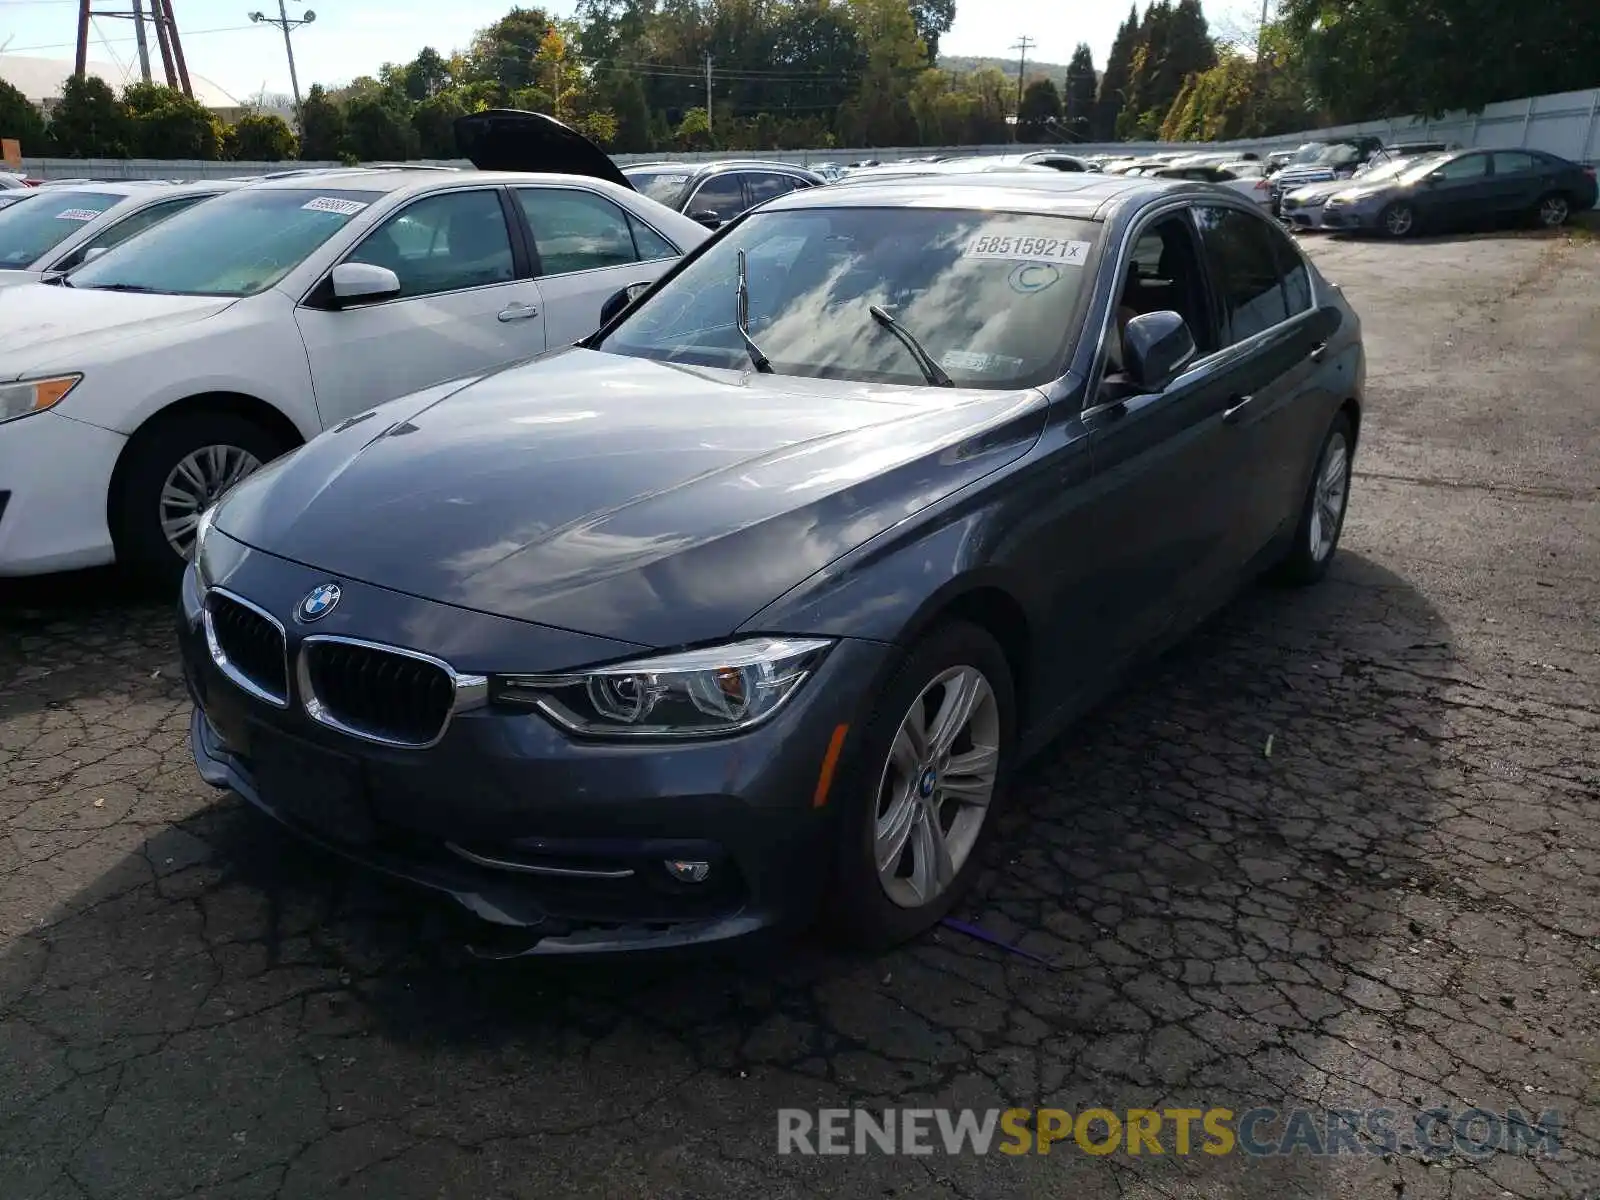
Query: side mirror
(1156, 348)
(707, 218)
(363, 281)
(620, 300)
(1433, 177)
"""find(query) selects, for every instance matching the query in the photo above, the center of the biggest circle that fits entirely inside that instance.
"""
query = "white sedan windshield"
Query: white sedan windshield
(47, 219)
(236, 245)
(993, 298)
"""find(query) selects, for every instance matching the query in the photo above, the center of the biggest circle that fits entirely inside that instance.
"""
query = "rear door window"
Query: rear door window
(721, 196)
(1239, 249)
(764, 185)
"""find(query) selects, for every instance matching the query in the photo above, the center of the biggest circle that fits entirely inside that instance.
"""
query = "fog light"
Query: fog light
(687, 870)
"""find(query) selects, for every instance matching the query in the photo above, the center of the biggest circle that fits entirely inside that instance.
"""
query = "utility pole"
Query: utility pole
(708, 95)
(283, 22)
(1022, 45)
(138, 36)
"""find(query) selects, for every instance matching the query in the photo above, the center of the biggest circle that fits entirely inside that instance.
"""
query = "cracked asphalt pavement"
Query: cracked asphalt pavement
(1398, 905)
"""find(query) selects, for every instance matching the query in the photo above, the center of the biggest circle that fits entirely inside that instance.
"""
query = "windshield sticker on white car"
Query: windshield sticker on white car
(1010, 247)
(77, 214)
(333, 204)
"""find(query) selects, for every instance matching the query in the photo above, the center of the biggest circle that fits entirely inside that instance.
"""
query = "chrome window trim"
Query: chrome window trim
(220, 659)
(470, 691)
(1217, 358)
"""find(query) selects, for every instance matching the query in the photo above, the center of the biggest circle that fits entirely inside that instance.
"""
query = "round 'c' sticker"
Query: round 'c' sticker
(1033, 277)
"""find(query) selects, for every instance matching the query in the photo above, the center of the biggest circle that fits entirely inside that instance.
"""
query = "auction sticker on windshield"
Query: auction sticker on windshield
(1013, 247)
(333, 204)
(77, 214)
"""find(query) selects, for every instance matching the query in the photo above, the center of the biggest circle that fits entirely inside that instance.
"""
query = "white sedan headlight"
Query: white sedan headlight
(709, 692)
(29, 396)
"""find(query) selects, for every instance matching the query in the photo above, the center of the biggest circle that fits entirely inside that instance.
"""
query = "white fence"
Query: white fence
(1567, 123)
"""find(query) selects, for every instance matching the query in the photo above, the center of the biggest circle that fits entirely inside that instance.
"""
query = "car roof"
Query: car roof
(402, 179)
(1085, 194)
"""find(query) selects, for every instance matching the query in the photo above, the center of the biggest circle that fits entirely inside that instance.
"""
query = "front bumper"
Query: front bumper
(1349, 220)
(54, 474)
(561, 843)
(1303, 216)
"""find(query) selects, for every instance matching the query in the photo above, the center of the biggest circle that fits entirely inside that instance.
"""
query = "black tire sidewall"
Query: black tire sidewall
(151, 455)
(1383, 219)
(857, 909)
(1538, 210)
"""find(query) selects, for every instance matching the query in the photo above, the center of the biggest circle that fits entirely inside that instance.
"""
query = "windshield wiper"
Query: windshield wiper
(117, 287)
(931, 371)
(742, 320)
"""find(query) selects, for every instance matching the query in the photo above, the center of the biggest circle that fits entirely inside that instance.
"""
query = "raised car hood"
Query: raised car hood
(621, 497)
(46, 325)
(508, 139)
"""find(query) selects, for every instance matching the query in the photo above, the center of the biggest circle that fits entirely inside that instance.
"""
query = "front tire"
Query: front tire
(932, 770)
(1398, 220)
(1316, 535)
(175, 468)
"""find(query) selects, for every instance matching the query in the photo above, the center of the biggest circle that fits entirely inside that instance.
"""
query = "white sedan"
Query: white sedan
(137, 389)
(59, 228)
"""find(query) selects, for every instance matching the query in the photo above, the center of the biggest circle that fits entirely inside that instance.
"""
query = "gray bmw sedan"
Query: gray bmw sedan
(744, 608)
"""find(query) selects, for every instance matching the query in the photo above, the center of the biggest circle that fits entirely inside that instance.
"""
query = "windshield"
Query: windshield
(1307, 153)
(663, 184)
(993, 297)
(1395, 167)
(50, 217)
(1416, 168)
(1341, 154)
(236, 245)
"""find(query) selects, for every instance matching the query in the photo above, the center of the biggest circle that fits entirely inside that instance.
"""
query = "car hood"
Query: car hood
(50, 325)
(632, 499)
(508, 139)
(1313, 192)
(1354, 191)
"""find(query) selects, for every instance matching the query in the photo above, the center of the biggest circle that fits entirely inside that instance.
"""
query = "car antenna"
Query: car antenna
(742, 319)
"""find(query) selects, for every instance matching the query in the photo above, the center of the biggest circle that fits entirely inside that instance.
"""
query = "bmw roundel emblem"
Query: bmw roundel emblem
(319, 602)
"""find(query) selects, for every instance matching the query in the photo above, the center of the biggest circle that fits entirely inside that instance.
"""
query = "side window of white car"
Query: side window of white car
(116, 234)
(576, 231)
(443, 243)
(650, 244)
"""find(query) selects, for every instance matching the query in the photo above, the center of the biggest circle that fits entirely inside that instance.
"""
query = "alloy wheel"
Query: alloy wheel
(1329, 494)
(936, 787)
(1398, 220)
(1553, 211)
(194, 485)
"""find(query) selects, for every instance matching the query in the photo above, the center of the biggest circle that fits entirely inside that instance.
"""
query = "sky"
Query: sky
(354, 37)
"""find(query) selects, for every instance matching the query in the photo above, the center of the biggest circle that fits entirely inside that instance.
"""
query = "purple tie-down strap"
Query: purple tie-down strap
(983, 935)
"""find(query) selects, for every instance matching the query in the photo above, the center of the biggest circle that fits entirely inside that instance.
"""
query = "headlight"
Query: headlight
(202, 527)
(699, 693)
(34, 395)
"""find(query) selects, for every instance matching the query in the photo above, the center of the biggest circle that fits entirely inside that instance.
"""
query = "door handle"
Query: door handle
(1319, 352)
(518, 312)
(1230, 415)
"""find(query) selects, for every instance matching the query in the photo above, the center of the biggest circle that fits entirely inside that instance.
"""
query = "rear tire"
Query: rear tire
(1316, 534)
(1552, 210)
(175, 467)
(907, 793)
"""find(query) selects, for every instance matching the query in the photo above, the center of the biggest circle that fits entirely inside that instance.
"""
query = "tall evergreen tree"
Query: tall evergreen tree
(1114, 83)
(1079, 101)
(1039, 115)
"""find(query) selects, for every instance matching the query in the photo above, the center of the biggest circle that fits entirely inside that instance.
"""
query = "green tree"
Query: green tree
(322, 126)
(434, 121)
(505, 53)
(19, 119)
(1078, 102)
(260, 137)
(168, 124)
(89, 121)
(1040, 112)
(932, 19)
(625, 97)
(881, 110)
(694, 131)
(378, 130)
(427, 75)
(1113, 94)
